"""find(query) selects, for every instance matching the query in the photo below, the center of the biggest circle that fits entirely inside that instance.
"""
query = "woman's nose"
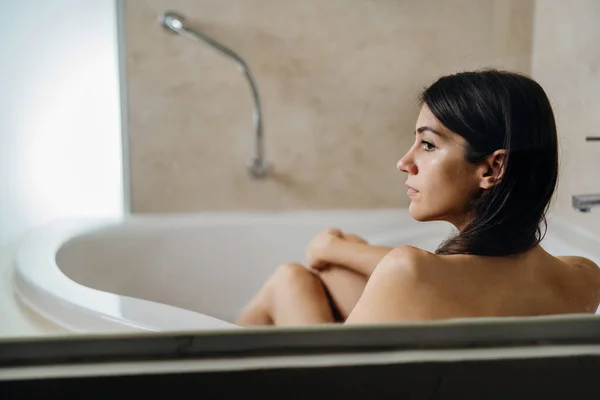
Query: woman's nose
(406, 164)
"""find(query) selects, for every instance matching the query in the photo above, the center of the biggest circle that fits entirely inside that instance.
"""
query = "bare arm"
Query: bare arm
(359, 257)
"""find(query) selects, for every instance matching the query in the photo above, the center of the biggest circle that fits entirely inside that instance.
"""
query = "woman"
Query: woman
(485, 159)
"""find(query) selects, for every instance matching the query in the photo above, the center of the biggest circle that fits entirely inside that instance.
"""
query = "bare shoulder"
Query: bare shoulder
(580, 262)
(408, 251)
(410, 260)
(585, 269)
(412, 266)
(398, 289)
(585, 275)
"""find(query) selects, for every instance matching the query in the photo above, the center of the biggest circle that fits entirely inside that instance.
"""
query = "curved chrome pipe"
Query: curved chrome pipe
(176, 23)
(585, 202)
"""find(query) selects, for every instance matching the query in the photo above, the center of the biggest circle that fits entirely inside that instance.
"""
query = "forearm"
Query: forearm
(360, 257)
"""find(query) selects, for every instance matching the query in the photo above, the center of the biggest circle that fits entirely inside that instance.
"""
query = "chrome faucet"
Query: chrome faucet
(585, 202)
(175, 23)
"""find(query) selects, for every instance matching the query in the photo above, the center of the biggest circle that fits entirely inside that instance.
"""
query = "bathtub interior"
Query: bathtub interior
(214, 265)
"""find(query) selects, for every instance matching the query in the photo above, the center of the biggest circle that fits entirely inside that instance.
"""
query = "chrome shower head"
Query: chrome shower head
(172, 22)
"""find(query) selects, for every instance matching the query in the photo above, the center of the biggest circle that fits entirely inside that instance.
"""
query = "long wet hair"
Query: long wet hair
(495, 110)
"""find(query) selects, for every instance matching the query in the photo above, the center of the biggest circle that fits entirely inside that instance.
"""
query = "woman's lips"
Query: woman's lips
(411, 191)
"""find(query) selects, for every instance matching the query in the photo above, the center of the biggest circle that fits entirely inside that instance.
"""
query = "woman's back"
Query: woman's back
(535, 283)
(463, 286)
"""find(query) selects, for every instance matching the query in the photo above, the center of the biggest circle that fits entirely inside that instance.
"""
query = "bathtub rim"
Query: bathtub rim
(41, 245)
(469, 339)
(37, 280)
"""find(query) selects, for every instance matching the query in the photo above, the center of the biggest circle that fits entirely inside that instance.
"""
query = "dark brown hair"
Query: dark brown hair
(494, 110)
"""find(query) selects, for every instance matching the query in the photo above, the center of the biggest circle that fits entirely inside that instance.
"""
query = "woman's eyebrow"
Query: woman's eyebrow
(429, 129)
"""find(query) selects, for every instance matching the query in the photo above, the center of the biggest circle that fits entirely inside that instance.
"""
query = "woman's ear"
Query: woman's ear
(492, 169)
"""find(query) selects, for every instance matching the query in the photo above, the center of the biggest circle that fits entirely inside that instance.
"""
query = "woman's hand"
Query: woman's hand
(353, 238)
(320, 248)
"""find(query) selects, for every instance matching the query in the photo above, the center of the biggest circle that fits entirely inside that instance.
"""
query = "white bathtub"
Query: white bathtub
(194, 272)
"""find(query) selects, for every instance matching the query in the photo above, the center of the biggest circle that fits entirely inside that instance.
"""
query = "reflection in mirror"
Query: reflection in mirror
(394, 195)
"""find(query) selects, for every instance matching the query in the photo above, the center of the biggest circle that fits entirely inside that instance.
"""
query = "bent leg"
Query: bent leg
(344, 287)
(292, 296)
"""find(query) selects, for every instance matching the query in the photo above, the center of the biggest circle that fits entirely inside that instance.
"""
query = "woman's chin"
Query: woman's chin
(418, 214)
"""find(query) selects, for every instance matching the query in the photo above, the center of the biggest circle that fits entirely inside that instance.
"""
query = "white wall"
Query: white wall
(60, 133)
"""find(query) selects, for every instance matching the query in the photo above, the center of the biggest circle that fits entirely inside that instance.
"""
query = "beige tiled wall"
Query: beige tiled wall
(566, 62)
(339, 80)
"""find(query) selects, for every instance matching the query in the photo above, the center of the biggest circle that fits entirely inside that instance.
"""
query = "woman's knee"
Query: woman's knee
(289, 273)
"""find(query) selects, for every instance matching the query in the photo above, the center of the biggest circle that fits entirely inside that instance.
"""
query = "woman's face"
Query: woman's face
(440, 183)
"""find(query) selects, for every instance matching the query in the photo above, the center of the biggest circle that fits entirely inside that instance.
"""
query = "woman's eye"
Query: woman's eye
(427, 146)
